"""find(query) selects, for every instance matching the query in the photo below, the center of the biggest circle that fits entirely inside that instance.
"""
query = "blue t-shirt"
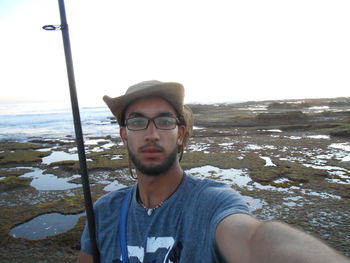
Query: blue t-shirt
(181, 230)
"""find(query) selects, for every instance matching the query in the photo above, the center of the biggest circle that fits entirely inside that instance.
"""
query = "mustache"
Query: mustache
(151, 145)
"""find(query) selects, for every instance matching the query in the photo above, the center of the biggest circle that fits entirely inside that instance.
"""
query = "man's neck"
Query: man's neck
(153, 190)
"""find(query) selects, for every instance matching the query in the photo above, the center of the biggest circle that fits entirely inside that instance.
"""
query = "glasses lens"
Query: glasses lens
(165, 123)
(138, 123)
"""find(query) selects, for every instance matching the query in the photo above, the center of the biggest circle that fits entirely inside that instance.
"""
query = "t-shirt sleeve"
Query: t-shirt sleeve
(85, 241)
(226, 202)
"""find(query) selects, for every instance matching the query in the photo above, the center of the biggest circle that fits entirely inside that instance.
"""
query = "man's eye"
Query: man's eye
(165, 121)
(137, 122)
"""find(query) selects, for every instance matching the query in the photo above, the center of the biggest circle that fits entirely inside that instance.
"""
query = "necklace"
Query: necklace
(151, 210)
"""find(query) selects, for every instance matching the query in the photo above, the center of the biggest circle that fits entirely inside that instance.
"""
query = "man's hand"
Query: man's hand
(244, 239)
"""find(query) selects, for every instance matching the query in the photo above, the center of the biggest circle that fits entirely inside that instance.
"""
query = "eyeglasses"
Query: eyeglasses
(161, 122)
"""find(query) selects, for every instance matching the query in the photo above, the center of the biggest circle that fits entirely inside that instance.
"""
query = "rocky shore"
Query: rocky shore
(289, 159)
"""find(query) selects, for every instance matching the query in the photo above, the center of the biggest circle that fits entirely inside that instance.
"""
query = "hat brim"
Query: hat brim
(170, 91)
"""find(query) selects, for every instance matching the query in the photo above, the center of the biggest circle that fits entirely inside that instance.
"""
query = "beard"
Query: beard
(154, 169)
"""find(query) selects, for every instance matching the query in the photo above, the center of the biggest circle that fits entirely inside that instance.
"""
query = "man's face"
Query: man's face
(153, 151)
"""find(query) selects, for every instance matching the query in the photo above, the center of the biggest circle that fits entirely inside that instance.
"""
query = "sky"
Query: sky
(220, 50)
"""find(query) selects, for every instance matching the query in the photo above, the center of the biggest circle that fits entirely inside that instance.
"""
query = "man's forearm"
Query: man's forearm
(277, 242)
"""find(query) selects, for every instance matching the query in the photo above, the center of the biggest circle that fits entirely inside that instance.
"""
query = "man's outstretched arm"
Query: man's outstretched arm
(244, 239)
(85, 258)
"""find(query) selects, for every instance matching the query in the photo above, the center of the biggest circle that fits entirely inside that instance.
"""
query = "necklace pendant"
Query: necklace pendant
(150, 211)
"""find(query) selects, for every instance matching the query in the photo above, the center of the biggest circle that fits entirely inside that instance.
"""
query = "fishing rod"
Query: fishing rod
(77, 127)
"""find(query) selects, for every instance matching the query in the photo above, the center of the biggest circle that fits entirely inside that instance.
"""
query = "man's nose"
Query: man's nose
(152, 132)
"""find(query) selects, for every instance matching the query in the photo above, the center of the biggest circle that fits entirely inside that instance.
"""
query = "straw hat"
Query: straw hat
(170, 91)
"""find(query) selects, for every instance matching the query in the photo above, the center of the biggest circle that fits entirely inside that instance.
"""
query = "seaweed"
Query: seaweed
(12, 182)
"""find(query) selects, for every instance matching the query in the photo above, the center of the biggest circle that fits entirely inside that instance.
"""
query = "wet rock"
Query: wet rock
(342, 132)
(288, 116)
(288, 105)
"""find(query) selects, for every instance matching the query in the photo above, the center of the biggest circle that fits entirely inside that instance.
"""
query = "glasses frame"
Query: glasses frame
(177, 122)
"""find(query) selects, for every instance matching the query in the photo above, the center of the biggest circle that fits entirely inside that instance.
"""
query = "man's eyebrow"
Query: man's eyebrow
(139, 114)
(135, 114)
(165, 114)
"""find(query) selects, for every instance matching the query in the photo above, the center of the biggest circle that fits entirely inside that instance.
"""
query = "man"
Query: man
(174, 217)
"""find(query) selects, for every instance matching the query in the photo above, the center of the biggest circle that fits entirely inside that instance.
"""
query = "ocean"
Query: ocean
(23, 122)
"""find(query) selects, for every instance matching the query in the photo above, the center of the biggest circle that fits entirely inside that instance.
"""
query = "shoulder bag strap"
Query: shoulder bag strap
(123, 226)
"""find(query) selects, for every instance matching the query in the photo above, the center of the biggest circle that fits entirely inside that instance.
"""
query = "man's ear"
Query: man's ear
(122, 133)
(181, 134)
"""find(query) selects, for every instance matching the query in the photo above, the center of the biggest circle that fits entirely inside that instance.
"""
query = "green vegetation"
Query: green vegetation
(20, 153)
(100, 161)
(13, 182)
(13, 172)
(341, 131)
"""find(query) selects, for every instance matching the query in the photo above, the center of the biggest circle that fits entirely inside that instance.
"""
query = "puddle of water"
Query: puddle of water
(254, 108)
(274, 136)
(325, 156)
(340, 156)
(319, 108)
(45, 225)
(345, 159)
(341, 174)
(271, 130)
(49, 181)
(290, 204)
(342, 146)
(199, 147)
(253, 147)
(44, 149)
(59, 156)
(113, 186)
(226, 144)
(108, 145)
(293, 198)
(325, 137)
(117, 157)
(292, 201)
(325, 167)
(294, 137)
(256, 185)
(322, 195)
(95, 150)
(231, 176)
(338, 181)
(73, 150)
(94, 141)
(282, 180)
(100, 147)
(274, 130)
(268, 161)
(253, 203)
(240, 178)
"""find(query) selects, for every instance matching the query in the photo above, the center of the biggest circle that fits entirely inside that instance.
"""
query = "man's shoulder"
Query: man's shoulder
(112, 198)
(210, 189)
(201, 182)
(210, 195)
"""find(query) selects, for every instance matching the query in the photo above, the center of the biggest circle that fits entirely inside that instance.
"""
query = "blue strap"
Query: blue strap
(122, 227)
